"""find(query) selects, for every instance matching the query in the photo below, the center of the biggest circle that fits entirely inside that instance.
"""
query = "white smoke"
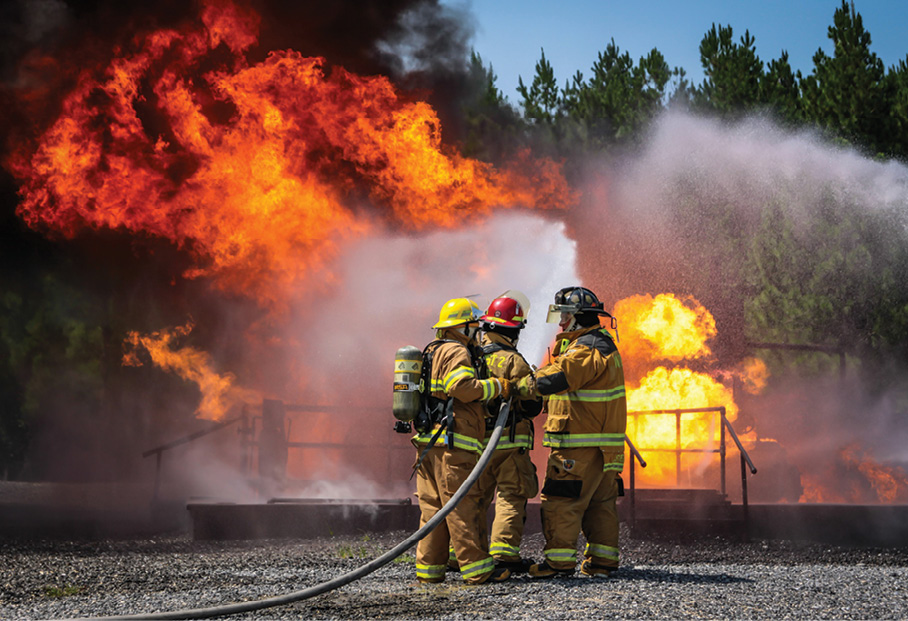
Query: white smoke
(393, 287)
(751, 164)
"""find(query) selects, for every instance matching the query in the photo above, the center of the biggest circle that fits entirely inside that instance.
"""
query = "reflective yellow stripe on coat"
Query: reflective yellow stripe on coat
(591, 396)
(576, 440)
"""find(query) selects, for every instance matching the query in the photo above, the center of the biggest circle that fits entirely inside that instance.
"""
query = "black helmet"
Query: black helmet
(579, 302)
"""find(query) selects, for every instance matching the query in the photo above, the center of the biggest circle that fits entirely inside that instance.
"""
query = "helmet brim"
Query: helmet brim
(453, 323)
(498, 321)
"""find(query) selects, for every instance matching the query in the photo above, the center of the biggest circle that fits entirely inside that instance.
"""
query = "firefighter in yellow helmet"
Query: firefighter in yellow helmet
(584, 430)
(510, 471)
(448, 451)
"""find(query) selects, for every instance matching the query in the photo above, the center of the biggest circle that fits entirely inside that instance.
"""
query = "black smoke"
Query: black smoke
(105, 283)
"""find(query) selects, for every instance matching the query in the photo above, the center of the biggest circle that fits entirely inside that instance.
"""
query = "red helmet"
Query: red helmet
(506, 312)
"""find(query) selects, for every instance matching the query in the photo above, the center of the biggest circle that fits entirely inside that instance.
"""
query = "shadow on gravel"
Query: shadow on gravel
(661, 575)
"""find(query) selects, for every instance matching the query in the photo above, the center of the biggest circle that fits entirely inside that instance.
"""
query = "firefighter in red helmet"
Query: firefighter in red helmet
(584, 430)
(510, 472)
(443, 465)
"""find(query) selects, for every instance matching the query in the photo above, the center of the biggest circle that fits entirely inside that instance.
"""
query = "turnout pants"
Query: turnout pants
(579, 496)
(438, 478)
(512, 474)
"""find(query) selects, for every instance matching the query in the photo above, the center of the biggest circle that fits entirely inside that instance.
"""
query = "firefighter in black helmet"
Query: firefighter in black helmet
(584, 430)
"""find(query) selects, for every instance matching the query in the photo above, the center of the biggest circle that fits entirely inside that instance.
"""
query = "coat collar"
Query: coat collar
(493, 337)
(573, 335)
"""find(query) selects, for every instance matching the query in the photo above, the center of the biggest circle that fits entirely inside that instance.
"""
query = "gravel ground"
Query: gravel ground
(712, 579)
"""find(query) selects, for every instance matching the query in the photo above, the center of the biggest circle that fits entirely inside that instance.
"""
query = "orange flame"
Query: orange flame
(219, 393)
(661, 328)
(858, 479)
(754, 374)
(664, 389)
(257, 170)
(669, 328)
(665, 327)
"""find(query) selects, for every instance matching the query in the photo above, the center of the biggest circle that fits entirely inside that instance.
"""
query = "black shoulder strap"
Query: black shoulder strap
(428, 353)
(600, 340)
(478, 360)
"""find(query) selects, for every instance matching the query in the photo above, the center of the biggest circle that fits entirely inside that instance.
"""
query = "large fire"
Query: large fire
(258, 170)
(669, 329)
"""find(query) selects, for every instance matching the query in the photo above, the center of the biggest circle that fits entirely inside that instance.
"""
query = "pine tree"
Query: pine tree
(847, 93)
(619, 98)
(733, 72)
(897, 89)
(541, 101)
(781, 91)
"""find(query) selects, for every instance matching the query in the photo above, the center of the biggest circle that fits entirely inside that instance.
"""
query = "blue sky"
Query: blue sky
(510, 33)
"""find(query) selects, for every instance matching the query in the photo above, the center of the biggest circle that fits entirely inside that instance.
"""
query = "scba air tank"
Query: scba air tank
(407, 370)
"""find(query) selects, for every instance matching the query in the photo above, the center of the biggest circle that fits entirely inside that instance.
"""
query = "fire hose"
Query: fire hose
(381, 561)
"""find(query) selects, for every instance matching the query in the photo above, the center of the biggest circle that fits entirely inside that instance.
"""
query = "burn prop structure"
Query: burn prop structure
(264, 443)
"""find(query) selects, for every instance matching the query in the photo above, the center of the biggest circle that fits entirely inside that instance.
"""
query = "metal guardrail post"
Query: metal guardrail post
(745, 461)
(744, 499)
(722, 449)
(633, 495)
(635, 455)
(678, 448)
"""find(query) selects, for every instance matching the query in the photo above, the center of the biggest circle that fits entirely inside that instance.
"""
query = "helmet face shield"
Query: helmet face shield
(555, 311)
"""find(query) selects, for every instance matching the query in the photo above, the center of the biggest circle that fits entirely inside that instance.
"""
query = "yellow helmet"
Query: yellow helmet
(458, 312)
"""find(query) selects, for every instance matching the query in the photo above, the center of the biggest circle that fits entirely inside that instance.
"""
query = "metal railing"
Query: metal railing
(159, 451)
(251, 414)
(251, 424)
(678, 450)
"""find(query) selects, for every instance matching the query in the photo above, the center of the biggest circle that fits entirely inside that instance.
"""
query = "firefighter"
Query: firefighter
(510, 470)
(443, 466)
(584, 430)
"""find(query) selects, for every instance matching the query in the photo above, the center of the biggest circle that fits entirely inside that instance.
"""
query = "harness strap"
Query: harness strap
(422, 455)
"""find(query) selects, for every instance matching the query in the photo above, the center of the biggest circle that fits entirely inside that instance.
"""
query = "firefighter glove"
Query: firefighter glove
(506, 387)
(525, 386)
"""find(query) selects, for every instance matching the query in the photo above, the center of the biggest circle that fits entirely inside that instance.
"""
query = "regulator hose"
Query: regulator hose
(381, 561)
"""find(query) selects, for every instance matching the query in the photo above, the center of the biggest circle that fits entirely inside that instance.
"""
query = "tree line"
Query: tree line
(849, 96)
